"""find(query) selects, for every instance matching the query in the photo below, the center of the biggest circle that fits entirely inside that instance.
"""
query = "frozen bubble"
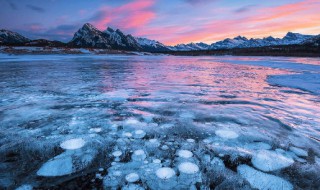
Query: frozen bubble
(266, 160)
(132, 177)
(67, 162)
(164, 147)
(96, 130)
(73, 144)
(190, 140)
(139, 134)
(206, 141)
(58, 166)
(25, 187)
(165, 173)
(299, 151)
(117, 153)
(156, 161)
(153, 143)
(188, 168)
(132, 187)
(263, 181)
(132, 121)
(138, 155)
(227, 134)
(127, 134)
(185, 154)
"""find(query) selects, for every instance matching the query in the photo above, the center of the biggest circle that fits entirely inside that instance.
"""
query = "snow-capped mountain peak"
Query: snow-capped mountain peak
(9, 37)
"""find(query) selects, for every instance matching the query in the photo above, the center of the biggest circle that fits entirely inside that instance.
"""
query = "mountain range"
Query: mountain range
(90, 37)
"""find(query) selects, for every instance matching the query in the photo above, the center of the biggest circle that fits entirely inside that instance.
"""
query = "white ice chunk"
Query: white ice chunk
(165, 173)
(132, 177)
(263, 181)
(298, 151)
(267, 160)
(185, 154)
(227, 134)
(72, 144)
(139, 134)
(188, 168)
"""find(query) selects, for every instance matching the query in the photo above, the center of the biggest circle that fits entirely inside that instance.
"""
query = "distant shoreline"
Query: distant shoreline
(285, 51)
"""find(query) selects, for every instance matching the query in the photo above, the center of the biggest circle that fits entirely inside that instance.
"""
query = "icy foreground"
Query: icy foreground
(133, 122)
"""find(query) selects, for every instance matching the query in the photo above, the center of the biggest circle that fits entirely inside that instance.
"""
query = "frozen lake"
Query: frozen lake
(159, 122)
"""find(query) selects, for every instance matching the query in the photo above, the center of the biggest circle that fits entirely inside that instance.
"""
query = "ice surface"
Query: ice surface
(72, 144)
(165, 173)
(263, 181)
(110, 116)
(227, 134)
(267, 160)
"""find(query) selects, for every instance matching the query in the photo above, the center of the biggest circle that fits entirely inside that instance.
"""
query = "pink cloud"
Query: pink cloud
(133, 15)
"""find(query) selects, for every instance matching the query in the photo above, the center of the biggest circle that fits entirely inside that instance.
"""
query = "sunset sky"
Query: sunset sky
(168, 21)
